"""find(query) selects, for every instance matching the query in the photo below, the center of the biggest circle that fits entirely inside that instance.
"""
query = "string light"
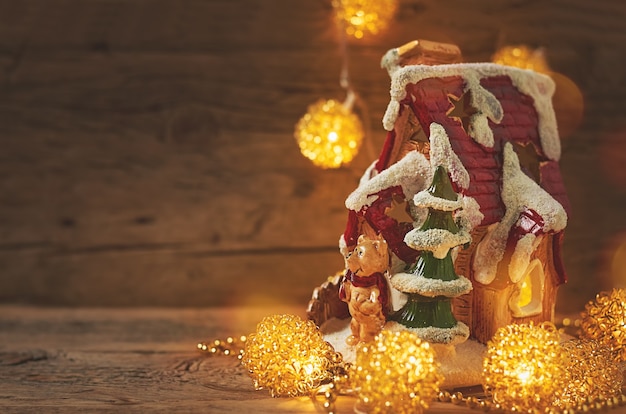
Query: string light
(361, 17)
(396, 373)
(593, 374)
(522, 57)
(329, 134)
(288, 356)
(605, 321)
(590, 404)
(230, 346)
(525, 367)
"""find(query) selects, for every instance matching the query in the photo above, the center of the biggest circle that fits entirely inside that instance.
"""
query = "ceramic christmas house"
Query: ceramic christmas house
(467, 196)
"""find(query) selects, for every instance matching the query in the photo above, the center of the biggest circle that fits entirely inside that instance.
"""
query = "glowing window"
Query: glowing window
(527, 297)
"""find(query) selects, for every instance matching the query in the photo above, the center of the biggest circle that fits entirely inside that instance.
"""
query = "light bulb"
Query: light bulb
(362, 17)
(329, 134)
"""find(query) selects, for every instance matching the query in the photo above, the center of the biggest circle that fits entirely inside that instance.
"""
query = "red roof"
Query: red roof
(429, 99)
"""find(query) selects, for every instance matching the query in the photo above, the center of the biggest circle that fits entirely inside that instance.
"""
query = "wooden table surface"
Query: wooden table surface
(129, 360)
(59, 360)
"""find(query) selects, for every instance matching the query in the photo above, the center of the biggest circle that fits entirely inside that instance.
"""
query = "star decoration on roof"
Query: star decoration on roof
(414, 130)
(462, 110)
(414, 133)
(528, 159)
(399, 210)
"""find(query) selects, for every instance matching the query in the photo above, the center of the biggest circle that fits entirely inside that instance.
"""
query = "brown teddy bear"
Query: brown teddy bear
(364, 288)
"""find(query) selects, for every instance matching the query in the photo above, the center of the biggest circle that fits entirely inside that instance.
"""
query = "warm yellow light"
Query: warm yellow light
(396, 373)
(329, 134)
(288, 356)
(362, 17)
(605, 321)
(593, 374)
(525, 367)
(617, 258)
(526, 292)
(523, 374)
(521, 57)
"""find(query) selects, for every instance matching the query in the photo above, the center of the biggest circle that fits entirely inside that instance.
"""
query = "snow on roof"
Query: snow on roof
(538, 86)
(411, 173)
(519, 192)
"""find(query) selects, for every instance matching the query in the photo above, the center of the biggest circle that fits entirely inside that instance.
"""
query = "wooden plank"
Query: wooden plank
(62, 360)
(169, 276)
(163, 128)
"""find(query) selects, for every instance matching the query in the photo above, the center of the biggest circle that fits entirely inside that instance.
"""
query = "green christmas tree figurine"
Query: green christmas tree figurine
(432, 280)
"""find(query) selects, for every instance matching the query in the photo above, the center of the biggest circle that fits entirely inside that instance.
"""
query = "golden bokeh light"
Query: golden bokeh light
(618, 261)
(288, 356)
(396, 373)
(521, 57)
(604, 320)
(593, 374)
(526, 292)
(364, 17)
(525, 367)
(568, 103)
(329, 134)
(612, 158)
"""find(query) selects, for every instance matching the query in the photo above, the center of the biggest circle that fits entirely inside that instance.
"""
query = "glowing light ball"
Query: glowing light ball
(593, 374)
(525, 367)
(288, 356)
(605, 321)
(521, 57)
(329, 134)
(361, 17)
(395, 374)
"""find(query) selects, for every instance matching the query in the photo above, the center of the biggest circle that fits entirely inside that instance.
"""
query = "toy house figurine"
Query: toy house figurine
(492, 131)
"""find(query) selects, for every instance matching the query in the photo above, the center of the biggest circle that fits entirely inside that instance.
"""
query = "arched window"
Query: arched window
(527, 297)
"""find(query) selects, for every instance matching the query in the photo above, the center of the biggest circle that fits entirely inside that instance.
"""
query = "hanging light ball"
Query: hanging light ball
(396, 373)
(525, 367)
(593, 374)
(605, 321)
(288, 356)
(329, 134)
(361, 17)
(522, 57)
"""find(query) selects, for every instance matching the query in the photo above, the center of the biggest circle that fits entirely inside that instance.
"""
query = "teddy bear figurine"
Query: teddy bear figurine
(364, 288)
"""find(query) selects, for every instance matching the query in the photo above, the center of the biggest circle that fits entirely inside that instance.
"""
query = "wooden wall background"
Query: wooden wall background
(146, 150)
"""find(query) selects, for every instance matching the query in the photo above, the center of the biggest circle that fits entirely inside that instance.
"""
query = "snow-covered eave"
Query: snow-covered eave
(519, 192)
(538, 86)
(411, 173)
